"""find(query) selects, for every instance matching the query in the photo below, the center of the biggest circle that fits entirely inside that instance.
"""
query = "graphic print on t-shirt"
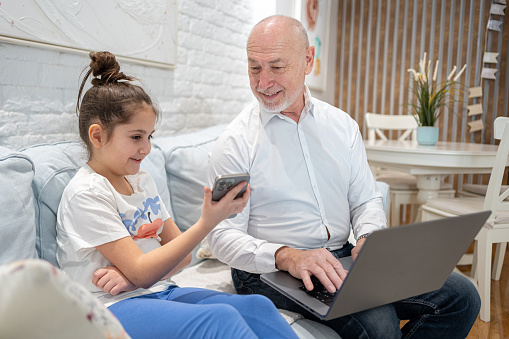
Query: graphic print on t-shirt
(138, 227)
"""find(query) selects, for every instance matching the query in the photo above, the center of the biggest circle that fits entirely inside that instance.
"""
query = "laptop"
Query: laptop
(393, 264)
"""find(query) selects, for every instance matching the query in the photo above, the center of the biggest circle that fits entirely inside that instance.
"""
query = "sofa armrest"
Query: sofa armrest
(386, 196)
(17, 228)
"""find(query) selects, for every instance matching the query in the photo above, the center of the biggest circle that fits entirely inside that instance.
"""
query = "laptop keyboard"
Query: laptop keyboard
(319, 292)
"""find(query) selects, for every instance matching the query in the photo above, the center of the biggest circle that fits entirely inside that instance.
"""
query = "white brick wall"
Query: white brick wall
(39, 87)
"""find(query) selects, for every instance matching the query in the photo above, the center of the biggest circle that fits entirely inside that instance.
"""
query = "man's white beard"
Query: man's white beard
(276, 108)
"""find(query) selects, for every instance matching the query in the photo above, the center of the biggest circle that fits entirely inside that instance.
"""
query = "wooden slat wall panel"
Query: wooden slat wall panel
(379, 40)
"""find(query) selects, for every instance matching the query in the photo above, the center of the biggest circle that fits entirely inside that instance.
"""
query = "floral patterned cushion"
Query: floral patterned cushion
(39, 301)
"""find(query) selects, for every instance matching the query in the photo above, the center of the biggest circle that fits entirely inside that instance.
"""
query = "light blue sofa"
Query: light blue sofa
(33, 179)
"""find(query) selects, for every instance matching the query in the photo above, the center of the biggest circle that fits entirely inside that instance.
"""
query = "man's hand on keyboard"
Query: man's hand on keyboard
(319, 292)
(303, 264)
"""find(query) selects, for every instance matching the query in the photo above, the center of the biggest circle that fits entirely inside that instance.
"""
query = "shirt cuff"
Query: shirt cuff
(265, 260)
(365, 229)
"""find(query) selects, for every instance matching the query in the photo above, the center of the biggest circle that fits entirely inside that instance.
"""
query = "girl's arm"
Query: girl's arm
(112, 281)
(170, 232)
(145, 269)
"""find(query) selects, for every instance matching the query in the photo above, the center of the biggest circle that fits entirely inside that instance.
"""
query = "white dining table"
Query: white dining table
(430, 163)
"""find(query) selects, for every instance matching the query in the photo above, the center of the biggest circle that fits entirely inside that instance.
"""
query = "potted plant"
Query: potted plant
(430, 98)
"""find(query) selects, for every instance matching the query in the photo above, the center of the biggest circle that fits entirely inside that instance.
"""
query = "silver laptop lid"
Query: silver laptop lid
(393, 264)
(407, 261)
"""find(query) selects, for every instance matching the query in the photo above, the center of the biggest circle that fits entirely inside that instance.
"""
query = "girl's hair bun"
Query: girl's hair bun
(105, 69)
(112, 100)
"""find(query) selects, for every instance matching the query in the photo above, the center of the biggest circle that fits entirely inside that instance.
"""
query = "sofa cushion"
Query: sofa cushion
(384, 189)
(187, 158)
(56, 164)
(40, 301)
(17, 225)
(154, 164)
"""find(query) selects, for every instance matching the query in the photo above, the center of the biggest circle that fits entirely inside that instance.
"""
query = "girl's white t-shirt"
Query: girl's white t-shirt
(92, 213)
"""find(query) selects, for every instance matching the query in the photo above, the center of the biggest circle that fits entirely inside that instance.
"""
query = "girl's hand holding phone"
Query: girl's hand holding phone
(213, 212)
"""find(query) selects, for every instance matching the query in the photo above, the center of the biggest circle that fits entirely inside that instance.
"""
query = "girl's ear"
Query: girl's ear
(95, 134)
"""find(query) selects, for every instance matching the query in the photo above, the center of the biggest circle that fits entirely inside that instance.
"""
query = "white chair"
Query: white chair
(496, 229)
(477, 190)
(403, 186)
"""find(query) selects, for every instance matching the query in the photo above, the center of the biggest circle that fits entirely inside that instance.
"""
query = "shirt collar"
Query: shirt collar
(308, 108)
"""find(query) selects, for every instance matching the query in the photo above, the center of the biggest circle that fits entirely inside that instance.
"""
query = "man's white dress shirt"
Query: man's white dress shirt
(307, 178)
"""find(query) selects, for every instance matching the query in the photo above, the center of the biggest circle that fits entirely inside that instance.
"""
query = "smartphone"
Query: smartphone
(224, 183)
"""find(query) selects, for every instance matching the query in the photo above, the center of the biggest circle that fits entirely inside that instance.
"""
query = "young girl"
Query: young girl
(116, 237)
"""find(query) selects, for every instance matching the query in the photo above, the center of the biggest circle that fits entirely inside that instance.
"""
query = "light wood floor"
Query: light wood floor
(498, 327)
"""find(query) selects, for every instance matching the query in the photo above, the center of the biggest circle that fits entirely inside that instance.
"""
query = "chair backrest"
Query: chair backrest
(378, 123)
(495, 197)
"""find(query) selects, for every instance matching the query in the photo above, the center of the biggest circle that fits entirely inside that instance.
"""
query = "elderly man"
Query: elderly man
(310, 181)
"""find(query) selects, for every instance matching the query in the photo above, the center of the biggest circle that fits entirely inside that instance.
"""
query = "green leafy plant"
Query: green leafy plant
(432, 96)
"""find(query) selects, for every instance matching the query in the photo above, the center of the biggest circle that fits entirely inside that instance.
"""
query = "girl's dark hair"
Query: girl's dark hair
(112, 99)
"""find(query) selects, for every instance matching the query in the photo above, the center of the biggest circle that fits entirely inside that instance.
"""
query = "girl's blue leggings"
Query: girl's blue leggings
(181, 312)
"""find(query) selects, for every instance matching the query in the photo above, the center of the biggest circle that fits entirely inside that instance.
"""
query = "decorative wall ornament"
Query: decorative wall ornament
(497, 9)
(489, 73)
(474, 109)
(490, 58)
(476, 125)
(142, 31)
(495, 25)
(315, 15)
(475, 92)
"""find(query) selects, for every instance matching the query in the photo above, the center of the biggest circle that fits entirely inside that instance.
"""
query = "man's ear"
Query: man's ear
(310, 59)
(96, 135)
